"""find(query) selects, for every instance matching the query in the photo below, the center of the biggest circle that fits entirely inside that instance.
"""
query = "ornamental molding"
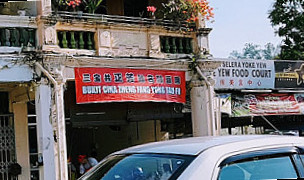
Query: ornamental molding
(208, 65)
(204, 31)
(18, 21)
(55, 66)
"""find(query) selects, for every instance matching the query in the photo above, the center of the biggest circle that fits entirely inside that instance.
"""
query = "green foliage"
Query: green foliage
(92, 5)
(288, 17)
(269, 52)
(253, 51)
(89, 6)
(173, 10)
(185, 11)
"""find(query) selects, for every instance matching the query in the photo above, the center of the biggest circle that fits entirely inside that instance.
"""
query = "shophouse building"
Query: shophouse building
(79, 83)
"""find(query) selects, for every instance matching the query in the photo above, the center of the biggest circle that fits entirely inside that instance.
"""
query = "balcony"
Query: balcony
(17, 33)
(17, 39)
(119, 36)
(117, 19)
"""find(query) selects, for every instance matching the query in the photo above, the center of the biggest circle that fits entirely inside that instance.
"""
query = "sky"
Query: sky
(237, 22)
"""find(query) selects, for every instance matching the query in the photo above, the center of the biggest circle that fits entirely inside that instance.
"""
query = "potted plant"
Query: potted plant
(71, 5)
(92, 5)
(151, 10)
(189, 11)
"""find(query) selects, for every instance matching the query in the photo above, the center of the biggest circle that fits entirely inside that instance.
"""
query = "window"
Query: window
(140, 167)
(299, 160)
(259, 168)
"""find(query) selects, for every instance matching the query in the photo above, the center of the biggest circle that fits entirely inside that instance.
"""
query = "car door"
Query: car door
(276, 163)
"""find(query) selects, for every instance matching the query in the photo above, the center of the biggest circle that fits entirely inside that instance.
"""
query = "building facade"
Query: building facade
(56, 63)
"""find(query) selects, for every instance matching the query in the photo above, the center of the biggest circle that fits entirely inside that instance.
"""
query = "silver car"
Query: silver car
(206, 158)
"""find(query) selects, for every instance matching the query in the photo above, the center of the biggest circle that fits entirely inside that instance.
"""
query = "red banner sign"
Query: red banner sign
(117, 85)
(267, 104)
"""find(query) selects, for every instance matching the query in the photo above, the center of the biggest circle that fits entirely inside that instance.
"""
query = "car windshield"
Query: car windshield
(139, 167)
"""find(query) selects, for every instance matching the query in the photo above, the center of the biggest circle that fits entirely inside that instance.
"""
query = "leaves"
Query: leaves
(92, 5)
(288, 17)
(253, 51)
(186, 10)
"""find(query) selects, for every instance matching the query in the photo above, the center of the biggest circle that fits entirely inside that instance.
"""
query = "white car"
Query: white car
(206, 158)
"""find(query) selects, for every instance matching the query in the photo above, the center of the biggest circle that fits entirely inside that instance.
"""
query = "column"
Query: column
(202, 110)
(202, 36)
(45, 7)
(45, 137)
(61, 133)
(21, 138)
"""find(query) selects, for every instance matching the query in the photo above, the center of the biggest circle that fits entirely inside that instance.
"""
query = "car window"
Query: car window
(299, 159)
(259, 168)
(139, 167)
(302, 159)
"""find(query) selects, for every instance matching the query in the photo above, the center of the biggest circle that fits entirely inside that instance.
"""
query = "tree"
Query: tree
(288, 17)
(270, 51)
(253, 51)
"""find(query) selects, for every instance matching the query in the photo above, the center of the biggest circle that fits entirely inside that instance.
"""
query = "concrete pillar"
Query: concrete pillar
(202, 111)
(61, 133)
(21, 139)
(58, 122)
(218, 115)
(202, 36)
(45, 132)
(44, 7)
(203, 44)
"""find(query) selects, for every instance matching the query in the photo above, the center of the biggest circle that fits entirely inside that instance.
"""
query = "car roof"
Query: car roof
(196, 145)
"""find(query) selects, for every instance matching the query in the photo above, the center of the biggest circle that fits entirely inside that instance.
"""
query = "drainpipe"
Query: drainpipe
(211, 121)
(60, 125)
(45, 72)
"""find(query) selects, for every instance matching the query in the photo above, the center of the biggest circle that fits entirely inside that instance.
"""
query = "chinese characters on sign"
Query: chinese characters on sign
(245, 74)
(116, 85)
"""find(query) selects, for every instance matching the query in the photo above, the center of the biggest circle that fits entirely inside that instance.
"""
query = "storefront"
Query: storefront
(261, 93)
(108, 109)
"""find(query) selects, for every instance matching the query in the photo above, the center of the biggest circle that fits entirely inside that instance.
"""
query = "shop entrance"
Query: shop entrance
(7, 139)
(7, 146)
(98, 129)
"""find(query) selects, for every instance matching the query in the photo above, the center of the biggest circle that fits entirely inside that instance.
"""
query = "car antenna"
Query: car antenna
(280, 132)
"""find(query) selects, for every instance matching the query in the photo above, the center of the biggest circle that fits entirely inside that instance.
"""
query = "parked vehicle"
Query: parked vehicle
(209, 158)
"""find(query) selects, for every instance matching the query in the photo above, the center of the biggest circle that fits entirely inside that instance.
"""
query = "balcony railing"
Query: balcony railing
(17, 37)
(176, 45)
(112, 19)
(76, 39)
